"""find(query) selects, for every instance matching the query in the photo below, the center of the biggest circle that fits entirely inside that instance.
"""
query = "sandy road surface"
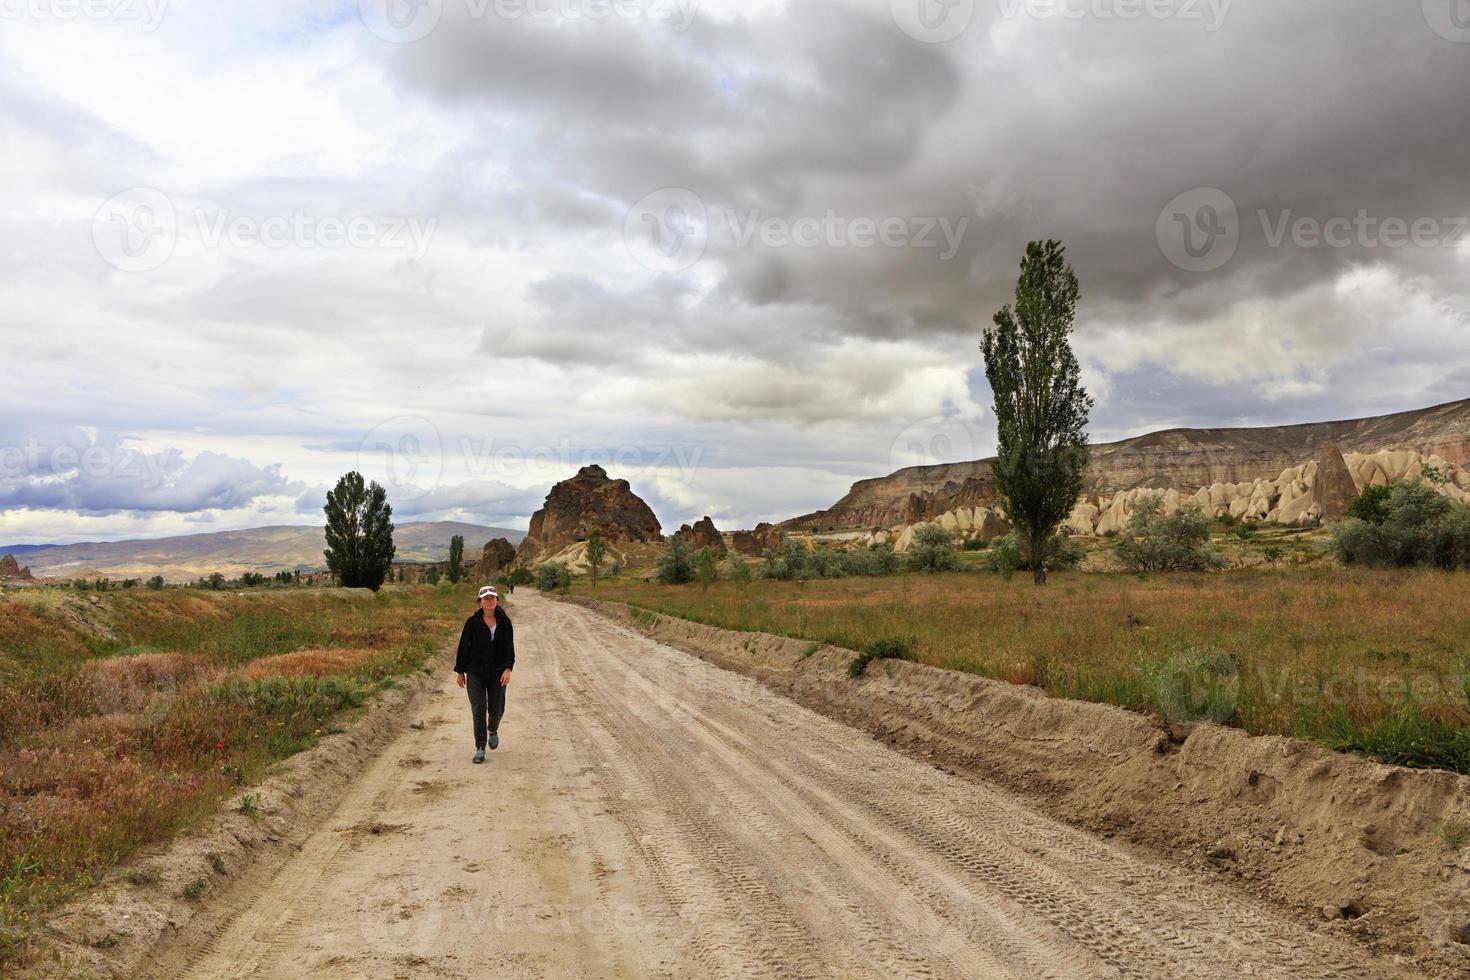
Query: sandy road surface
(650, 815)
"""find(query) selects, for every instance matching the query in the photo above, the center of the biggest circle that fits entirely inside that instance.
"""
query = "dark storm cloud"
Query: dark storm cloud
(1080, 129)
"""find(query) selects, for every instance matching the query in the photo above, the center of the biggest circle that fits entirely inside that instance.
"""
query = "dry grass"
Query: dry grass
(128, 716)
(1376, 661)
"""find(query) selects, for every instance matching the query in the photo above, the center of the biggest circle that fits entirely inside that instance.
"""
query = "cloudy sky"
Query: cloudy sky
(739, 253)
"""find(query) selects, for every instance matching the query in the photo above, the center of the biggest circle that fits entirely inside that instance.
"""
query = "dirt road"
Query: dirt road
(651, 815)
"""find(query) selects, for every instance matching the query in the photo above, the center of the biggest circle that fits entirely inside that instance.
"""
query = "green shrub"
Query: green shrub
(737, 569)
(1198, 684)
(1152, 541)
(706, 565)
(932, 549)
(1419, 526)
(888, 648)
(675, 564)
(1013, 552)
(552, 576)
(874, 560)
(1371, 505)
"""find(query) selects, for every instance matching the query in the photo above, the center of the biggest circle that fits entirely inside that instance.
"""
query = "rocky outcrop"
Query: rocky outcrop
(1184, 460)
(1335, 488)
(753, 543)
(12, 569)
(497, 554)
(703, 534)
(589, 501)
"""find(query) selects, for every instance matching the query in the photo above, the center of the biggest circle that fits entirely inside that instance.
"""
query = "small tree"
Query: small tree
(737, 568)
(456, 558)
(216, 581)
(1152, 541)
(706, 566)
(431, 575)
(596, 554)
(552, 576)
(359, 533)
(675, 565)
(156, 582)
(932, 549)
(1041, 408)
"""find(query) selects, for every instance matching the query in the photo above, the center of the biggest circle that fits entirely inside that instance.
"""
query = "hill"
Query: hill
(1185, 460)
(258, 549)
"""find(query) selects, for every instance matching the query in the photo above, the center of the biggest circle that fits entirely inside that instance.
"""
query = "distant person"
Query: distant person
(487, 653)
(510, 588)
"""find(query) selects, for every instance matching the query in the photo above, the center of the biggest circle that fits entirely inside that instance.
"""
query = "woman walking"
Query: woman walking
(487, 653)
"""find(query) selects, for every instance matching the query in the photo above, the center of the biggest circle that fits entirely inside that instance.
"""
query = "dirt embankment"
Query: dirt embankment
(1349, 845)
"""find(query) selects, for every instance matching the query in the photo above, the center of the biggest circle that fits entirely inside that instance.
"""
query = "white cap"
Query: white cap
(488, 590)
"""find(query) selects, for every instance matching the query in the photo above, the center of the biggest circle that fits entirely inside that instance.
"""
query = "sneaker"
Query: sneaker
(479, 755)
(494, 740)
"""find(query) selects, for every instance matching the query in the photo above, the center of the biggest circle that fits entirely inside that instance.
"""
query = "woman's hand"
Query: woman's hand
(459, 679)
(505, 677)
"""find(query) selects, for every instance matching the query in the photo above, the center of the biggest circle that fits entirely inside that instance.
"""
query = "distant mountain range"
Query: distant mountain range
(267, 550)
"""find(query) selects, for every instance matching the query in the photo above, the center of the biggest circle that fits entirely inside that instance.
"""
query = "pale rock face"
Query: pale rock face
(1295, 492)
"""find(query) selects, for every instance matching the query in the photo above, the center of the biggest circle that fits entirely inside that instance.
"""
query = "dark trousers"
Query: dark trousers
(487, 704)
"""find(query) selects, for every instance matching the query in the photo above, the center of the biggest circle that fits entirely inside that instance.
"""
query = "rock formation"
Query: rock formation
(752, 543)
(1335, 488)
(703, 534)
(496, 555)
(12, 569)
(1184, 460)
(587, 502)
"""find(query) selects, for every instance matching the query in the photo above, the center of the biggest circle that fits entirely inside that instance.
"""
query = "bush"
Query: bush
(875, 560)
(793, 561)
(675, 565)
(1419, 526)
(888, 648)
(737, 569)
(520, 575)
(932, 549)
(552, 576)
(1371, 505)
(1013, 552)
(706, 565)
(1153, 541)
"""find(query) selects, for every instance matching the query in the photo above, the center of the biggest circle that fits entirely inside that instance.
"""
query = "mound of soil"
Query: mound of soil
(1372, 850)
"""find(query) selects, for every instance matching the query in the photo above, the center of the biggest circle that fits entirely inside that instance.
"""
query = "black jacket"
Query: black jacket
(478, 653)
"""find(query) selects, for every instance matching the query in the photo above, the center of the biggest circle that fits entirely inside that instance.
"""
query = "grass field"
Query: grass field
(1371, 661)
(128, 716)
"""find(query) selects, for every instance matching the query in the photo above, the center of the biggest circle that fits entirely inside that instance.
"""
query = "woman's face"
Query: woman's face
(488, 604)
